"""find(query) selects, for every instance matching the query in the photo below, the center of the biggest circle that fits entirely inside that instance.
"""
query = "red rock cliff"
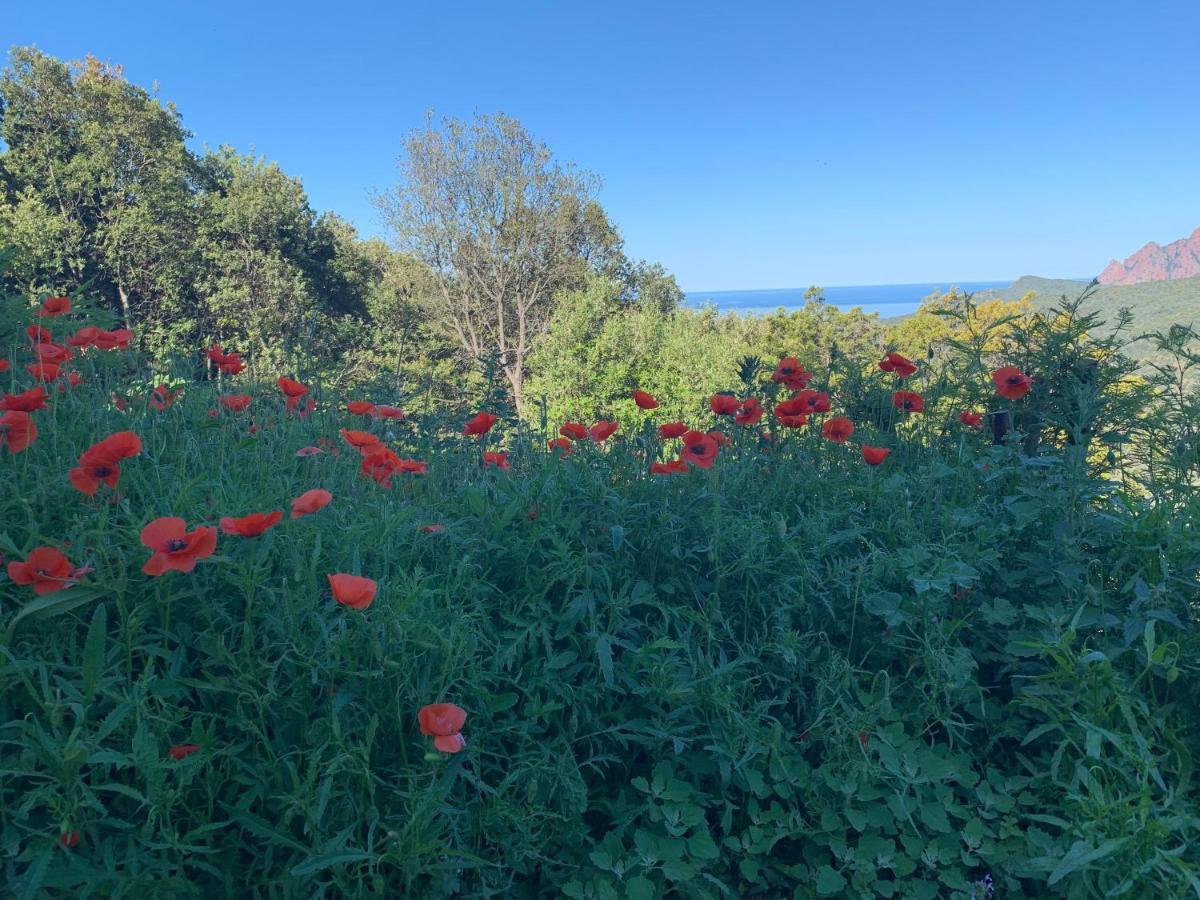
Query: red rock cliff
(1180, 259)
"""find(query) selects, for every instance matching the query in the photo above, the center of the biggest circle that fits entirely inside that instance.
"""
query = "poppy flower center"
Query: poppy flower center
(699, 449)
(102, 471)
(175, 544)
(1013, 379)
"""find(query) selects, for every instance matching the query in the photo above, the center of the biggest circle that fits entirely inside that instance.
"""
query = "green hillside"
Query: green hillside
(1156, 305)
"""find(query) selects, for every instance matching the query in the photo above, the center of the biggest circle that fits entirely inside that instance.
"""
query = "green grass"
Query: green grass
(789, 675)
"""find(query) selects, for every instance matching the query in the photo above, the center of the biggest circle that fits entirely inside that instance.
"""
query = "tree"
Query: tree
(99, 166)
(261, 251)
(502, 228)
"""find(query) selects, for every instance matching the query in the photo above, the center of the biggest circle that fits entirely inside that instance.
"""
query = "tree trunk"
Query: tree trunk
(124, 295)
(1002, 425)
(516, 379)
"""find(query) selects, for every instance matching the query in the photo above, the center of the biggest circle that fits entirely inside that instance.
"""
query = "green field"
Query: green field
(789, 674)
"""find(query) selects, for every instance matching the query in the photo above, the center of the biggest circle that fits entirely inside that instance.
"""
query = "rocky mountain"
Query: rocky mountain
(1154, 262)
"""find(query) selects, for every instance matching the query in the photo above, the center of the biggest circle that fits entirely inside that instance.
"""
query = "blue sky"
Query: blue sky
(744, 145)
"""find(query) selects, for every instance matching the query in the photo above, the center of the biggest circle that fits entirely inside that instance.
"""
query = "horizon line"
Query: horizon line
(950, 282)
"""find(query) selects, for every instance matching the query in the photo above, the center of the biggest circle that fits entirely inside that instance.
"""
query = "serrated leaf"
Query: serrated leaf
(701, 846)
(604, 655)
(56, 604)
(501, 702)
(829, 882)
(640, 888)
(1083, 854)
(93, 650)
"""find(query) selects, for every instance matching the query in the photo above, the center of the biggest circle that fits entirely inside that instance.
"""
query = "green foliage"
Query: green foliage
(788, 675)
(1155, 305)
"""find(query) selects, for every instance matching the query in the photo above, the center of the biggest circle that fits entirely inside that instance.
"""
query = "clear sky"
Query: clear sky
(744, 145)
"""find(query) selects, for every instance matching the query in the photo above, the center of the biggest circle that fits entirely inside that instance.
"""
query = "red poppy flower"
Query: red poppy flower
(117, 446)
(810, 401)
(114, 340)
(234, 402)
(182, 751)
(561, 444)
(291, 388)
(574, 430)
(791, 421)
(84, 337)
(353, 591)
(37, 334)
(444, 722)
(308, 451)
(838, 429)
(69, 839)
(362, 441)
(499, 460)
(175, 548)
(310, 501)
(721, 438)
(413, 467)
(47, 569)
(380, 464)
(251, 525)
(73, 380)
(226, 363)
(49, 352)
(644, 400)
(698, 449)
(55, 306)
(43, 371)
(119, 402)
(900, 366)
(724, 404)
(797, 406)
(361, 408)
(674, 467)
(970, 419)
(434, 528)
(1011, 383)
(602, 431)
(27, 401)
(749, 413)
(162, 397)
(874, 455)
(4, 364)
(90, 474)
(481, 424)
(390, 412)
(669, 430)
(863, 739)
(17, 430)
(909, 401)
(791, 374)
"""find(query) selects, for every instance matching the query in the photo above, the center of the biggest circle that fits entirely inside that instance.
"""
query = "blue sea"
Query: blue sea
(886, 299)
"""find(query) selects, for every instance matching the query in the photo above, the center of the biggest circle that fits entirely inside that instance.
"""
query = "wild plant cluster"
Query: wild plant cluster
(889, 628)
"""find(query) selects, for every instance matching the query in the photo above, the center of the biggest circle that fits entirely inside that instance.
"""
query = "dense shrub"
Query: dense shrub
(792, 674)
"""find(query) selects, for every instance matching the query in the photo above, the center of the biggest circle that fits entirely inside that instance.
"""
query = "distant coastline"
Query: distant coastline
(888, 300)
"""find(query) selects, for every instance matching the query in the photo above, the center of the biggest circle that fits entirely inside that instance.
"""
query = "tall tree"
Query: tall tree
(261, 251)
(101, 165)
(501, 226)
